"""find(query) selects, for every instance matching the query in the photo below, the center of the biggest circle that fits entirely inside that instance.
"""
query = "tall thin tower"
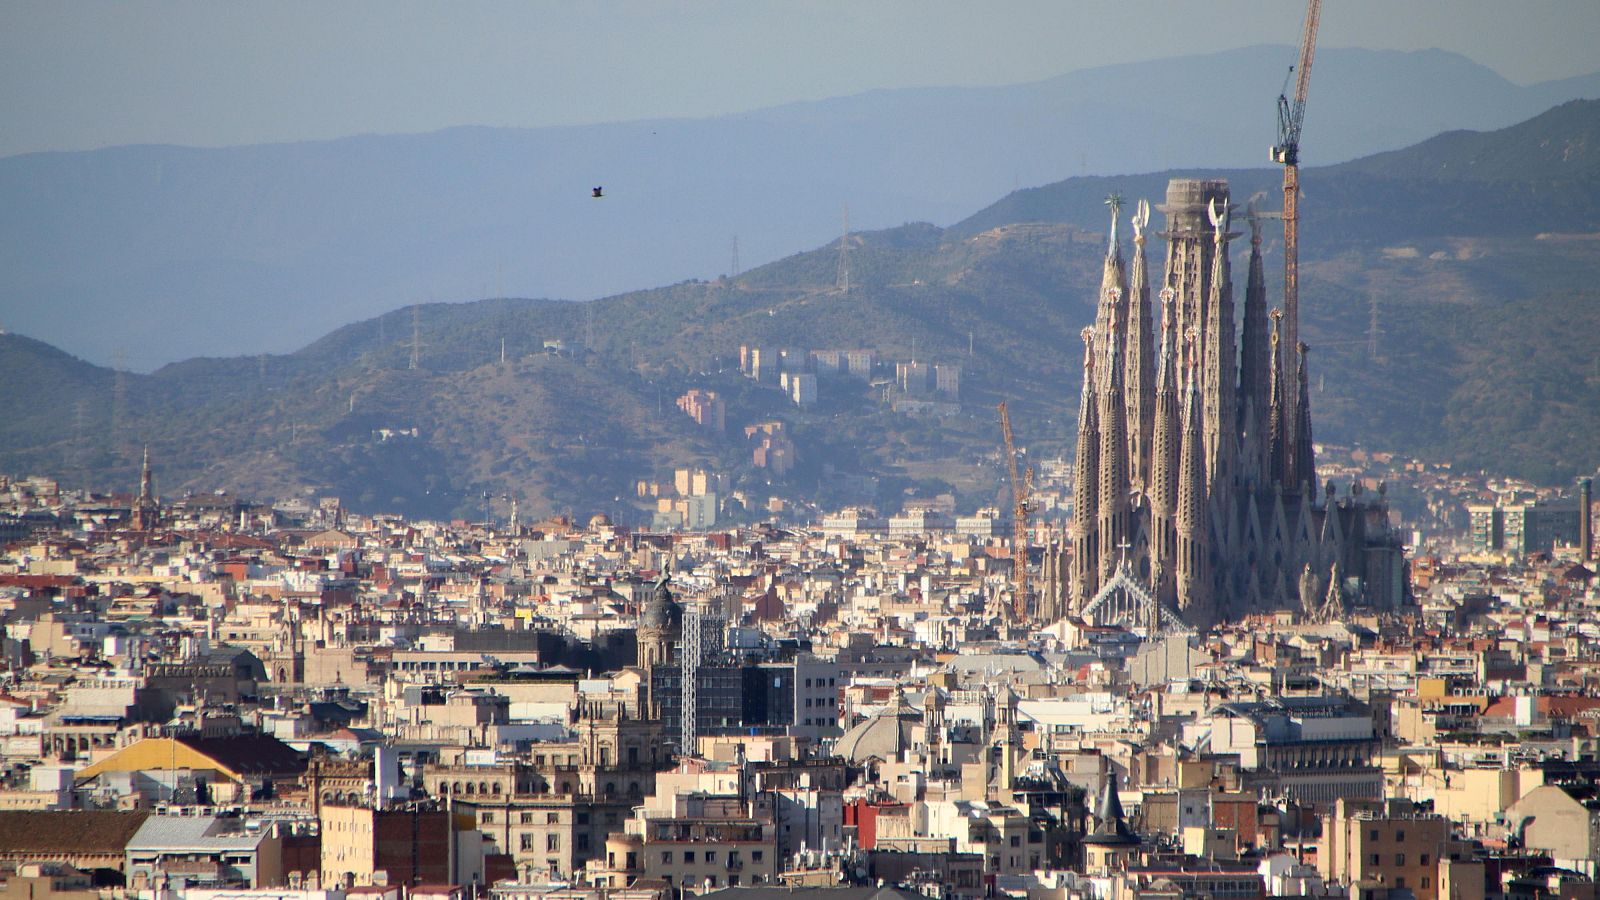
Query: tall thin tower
(843, 279)
(1373, 328)
(119, 399)
(416, 338)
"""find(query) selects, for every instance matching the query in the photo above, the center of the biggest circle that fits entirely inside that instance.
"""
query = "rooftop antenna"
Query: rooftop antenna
(843, 283)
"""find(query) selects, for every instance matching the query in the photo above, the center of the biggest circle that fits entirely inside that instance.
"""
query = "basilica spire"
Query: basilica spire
(1162, 492)
(1255, 380)
(1305, 462)
(1193, 577)
(1221, 395)
(1276, 453)
(1113, 287)
(1085, 487)
(1139, 374)
(1113, 476)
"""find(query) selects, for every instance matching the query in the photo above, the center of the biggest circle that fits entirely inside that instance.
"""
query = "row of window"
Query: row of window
(1400, 859)
(538, 787)
(710, 856)
(711, 881)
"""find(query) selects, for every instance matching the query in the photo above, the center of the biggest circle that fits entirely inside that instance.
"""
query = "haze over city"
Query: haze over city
(81, 76)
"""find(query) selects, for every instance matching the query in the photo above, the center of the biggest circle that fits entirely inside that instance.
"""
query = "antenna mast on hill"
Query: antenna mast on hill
(119, 399)
(80, 450)
(843, 282)
(416, 337)
(733, 266)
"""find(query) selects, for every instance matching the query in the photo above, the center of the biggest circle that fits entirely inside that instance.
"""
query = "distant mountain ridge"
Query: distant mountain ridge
(176, 251)
(1482, 282)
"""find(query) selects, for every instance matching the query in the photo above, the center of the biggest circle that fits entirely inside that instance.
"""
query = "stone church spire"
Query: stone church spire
(1193, 576)
(1139, 374)
(147, 493)
(1086, 486)
(1113, 481)
(1165, 436)
(1255, 380)
(1276, 453)
(145, 508)
(1305, 457)
(1219, 359)
(1113, 286)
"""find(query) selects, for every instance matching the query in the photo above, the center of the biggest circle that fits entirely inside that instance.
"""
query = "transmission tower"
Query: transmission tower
(416, 337)
(119, 399)
(843, 281)
(733, 267)
(1372, 329)
(80, 449)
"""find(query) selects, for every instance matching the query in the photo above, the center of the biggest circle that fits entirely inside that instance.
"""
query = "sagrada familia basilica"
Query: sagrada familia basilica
(1196, 497)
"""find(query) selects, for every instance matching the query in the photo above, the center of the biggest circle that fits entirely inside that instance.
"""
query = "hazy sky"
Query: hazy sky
(75, 75)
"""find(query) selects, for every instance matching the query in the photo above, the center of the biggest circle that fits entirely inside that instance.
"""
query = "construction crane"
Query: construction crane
(1286, 152)
(1021, 488)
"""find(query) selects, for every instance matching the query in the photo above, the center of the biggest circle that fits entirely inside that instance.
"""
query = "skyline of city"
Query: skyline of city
(1035, 555)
